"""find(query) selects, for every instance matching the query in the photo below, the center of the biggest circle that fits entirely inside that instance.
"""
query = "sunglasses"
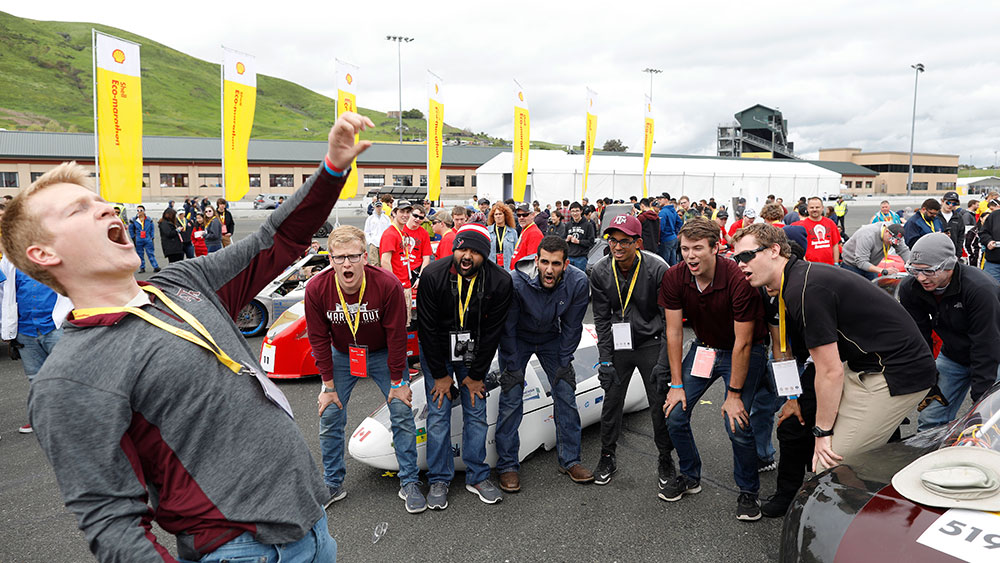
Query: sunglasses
(415, 216)
(522, 214)
(352, 258)
(952, 202)
(747, 255)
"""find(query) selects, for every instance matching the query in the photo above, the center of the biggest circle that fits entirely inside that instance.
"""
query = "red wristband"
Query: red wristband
(331, 166)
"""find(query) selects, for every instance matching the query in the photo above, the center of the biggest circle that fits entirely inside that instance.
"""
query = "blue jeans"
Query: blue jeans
(317, 547)
(440, 451)
(954, 380)
(993, 269)
(146, 246)
(213, 246)
(567, 418)
(579, 261)
(36, 350)
(668, 250)
(188, 250)
(765, 404)
(334, 419)
(867, 275)
(679, 421)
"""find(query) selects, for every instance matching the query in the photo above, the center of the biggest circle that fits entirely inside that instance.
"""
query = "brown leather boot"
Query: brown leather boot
(578, 473)
(510, 482)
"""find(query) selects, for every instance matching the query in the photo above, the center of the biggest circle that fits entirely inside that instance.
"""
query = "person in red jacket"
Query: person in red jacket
(198, 236)
(822, 233)
(356, 321)
(531, 235)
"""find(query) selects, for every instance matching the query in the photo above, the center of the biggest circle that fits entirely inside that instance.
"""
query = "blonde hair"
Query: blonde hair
(22, 229)
(345, 234)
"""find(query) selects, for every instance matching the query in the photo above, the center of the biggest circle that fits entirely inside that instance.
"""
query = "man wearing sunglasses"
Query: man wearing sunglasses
(530, 236)
(962, 305)
(728, 320)
(867, 380)
(870, 245)
(356, 322)
(953, 217)
(623, 287)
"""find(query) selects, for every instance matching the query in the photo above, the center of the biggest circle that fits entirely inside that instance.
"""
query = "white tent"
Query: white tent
(556, 175)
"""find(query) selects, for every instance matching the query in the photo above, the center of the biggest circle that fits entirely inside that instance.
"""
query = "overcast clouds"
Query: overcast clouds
(840, 73)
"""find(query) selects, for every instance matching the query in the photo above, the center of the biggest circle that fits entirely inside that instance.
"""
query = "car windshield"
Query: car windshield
(981, 427)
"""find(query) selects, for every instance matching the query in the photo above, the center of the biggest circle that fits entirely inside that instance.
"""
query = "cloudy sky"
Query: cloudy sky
(840, 72)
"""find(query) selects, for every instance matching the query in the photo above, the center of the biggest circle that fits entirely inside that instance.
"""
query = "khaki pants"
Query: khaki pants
(868, 414)
(227, 239)
(374, 258)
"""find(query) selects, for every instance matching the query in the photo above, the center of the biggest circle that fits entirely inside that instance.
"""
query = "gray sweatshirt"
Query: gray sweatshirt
(141, 425)
(864, 249)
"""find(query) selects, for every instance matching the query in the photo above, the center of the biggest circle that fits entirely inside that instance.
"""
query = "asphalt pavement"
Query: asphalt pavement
(552, 519)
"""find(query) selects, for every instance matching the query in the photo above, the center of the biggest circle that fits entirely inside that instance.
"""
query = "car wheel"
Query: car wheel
(252, 319)
(323, 231)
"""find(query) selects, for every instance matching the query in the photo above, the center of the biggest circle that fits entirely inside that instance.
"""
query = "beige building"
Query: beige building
(932, 173)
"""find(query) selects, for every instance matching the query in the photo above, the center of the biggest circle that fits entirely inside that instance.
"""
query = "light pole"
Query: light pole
(918, 68)
(399, 39)
(651, 72)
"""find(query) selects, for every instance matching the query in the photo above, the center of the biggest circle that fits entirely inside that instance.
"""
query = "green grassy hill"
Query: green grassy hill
(46, 77)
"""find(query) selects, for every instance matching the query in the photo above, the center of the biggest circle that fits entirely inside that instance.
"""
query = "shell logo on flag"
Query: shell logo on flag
(118, 55)
(435, 88)
(240, 68)
(591, 102)
(349, 78)
(520, 96)
(649, 107)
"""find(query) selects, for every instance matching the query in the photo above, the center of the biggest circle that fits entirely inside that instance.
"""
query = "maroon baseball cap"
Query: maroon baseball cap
(626, 224)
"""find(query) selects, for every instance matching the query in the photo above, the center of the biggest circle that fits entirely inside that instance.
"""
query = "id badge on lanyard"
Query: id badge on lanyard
(704, 362)
(786, 378)
(622, 334)
(142, 234)
(358, 356)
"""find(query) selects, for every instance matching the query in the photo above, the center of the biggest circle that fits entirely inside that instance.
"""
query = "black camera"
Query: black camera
(465, 349)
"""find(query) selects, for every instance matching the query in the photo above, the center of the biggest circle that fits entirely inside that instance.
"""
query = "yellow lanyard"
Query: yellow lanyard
(500, 236)
(635, 276)
(781, 312)
(525, 231)
(187, 317)
(402, 244)
(885, 248)
(462, 308)
(352, 324)
(931, 225)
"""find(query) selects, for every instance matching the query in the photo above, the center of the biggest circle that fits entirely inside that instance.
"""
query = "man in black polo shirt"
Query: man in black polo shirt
(872, 366)
(961, 304)
(727, 317)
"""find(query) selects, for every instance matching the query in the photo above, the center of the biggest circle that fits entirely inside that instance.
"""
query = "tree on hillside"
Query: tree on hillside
(614, 145)
(413, 114)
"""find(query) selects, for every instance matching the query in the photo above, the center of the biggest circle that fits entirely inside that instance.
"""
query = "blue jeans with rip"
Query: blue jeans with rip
(440, 451)
(317, 547)
(36, 349)
(744, 448)
(954, 381)
(334, 419)
(564, 409)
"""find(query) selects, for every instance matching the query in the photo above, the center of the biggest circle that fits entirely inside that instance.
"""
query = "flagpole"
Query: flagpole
(93, 53)
(222, 118)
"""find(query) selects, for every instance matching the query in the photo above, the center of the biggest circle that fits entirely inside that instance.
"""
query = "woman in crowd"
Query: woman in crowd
(213, 230)
(170, 236)
(503, 234)
(557, 226)
(198, 235)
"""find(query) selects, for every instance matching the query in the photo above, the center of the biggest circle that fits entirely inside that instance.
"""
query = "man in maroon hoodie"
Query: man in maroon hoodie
(650, 221)
(356, 321)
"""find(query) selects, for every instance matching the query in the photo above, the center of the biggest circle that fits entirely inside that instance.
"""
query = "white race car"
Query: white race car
(284, 291)
(371, 443)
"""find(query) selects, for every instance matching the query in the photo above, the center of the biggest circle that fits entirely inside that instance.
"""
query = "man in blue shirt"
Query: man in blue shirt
(143, 231)
(31, 316)
(923, 222)
(670, 223)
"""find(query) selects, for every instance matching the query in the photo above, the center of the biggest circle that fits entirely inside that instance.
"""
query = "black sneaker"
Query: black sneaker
(775, 507)
(765, 466)
(747, 507)
(666, 471)
(605, 468)
(155, 270)
(680, 486)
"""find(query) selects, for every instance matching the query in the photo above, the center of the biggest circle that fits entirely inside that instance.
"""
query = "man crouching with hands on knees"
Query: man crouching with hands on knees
(153, 406)
(871, 371)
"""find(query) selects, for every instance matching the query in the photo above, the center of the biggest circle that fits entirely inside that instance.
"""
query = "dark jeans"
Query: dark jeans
(867, 275)
(171, 258)
(744, 448)
(795, 441)
(626, 362)
(189, 250)
(579, 261)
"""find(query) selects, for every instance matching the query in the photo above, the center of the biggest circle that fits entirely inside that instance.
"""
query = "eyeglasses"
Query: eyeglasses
(747, 255)
(417, 217)
(925, 271)
(352, 258)
(620, 241)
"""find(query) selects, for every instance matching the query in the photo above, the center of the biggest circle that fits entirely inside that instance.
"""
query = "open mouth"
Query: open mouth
(693, 266)
(116, 234)
(348, 275)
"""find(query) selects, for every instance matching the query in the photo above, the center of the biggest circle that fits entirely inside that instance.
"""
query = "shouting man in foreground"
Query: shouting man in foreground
(153, 406)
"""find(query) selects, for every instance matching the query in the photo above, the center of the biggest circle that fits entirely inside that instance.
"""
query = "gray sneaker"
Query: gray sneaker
(487, 492)
(437, 496)
(415, 502)
(336, 493)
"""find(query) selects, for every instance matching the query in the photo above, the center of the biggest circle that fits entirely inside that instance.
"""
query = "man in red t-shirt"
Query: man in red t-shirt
(406, 247)
(356, 322)
(823, 234)
(749, 215)
(444, 226)
(531, 236)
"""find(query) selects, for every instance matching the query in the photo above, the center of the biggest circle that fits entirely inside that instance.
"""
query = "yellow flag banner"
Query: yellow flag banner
(347, 81)
(119, 118)
(239, 99)
(522, 141)
(591, 136)
(435, 134)
(647, 148)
